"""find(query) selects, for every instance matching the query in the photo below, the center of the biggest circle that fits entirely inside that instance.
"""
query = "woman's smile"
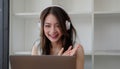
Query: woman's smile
(53, 36)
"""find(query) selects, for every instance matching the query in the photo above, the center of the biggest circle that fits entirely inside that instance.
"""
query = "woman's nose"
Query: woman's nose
(53, 30)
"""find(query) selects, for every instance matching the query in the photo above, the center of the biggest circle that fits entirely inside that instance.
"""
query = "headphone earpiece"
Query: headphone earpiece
(67, 25)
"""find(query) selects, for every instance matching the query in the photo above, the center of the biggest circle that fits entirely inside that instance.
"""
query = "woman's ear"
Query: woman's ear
(67, 25)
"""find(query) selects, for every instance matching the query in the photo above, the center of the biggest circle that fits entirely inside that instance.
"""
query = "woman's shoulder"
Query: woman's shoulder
(80, 57)
(80, 50)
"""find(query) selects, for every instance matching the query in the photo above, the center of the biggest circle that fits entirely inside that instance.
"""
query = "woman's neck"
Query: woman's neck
(56, 45)
(55, 48)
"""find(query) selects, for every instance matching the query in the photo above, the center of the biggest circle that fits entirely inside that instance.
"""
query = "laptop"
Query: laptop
(42, 62)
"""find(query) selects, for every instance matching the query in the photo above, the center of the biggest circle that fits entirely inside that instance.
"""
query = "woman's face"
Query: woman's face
(52, 28)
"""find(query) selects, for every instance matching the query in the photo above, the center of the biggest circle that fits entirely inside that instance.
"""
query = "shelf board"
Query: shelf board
(81, 13)
(27, 15)
(107, 12)
(108, 52)
(37, 14)
(29, 53)
(22, 53)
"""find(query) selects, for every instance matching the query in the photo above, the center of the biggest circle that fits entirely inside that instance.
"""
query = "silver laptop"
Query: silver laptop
(42, 62)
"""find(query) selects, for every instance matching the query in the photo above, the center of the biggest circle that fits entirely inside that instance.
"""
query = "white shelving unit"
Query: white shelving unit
(106, 44)
(97, 23)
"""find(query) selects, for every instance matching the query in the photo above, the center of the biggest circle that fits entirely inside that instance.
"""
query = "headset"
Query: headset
(67, 23)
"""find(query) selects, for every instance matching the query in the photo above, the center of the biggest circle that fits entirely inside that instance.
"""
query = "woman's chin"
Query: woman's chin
(54, 40)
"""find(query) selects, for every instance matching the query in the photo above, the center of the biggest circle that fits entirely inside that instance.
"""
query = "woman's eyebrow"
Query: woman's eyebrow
(50, 23)
(57, 23)
(47, 23)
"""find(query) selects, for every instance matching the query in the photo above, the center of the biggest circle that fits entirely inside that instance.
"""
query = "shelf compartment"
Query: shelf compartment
(106, 33)
(106, 5)
(29, 5)
(88, 62)
(83, 37)
(75, 5)
(106, 62)
(88, 52)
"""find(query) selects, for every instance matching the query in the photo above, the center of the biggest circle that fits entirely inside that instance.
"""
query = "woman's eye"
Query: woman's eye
(58, 25)
(47, 25)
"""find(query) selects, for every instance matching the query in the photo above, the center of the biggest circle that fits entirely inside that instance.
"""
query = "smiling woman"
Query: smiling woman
(58, 36)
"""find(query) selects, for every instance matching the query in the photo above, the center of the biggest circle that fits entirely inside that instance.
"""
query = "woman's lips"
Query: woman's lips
(54, 36)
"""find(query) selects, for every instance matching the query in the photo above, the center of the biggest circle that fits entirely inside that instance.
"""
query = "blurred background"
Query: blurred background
(97, 23)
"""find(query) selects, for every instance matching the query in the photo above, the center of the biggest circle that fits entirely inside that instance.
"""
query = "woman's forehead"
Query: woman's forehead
(51, 19)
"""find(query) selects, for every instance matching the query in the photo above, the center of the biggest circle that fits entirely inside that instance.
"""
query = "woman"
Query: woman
(58, 36)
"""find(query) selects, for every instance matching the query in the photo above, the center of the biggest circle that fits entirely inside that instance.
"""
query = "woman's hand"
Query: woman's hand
(69, 52)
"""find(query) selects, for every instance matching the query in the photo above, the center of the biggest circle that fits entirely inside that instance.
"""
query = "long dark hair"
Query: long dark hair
(68, 37)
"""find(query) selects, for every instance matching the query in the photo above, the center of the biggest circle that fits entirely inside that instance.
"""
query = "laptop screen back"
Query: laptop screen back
(42, 62)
